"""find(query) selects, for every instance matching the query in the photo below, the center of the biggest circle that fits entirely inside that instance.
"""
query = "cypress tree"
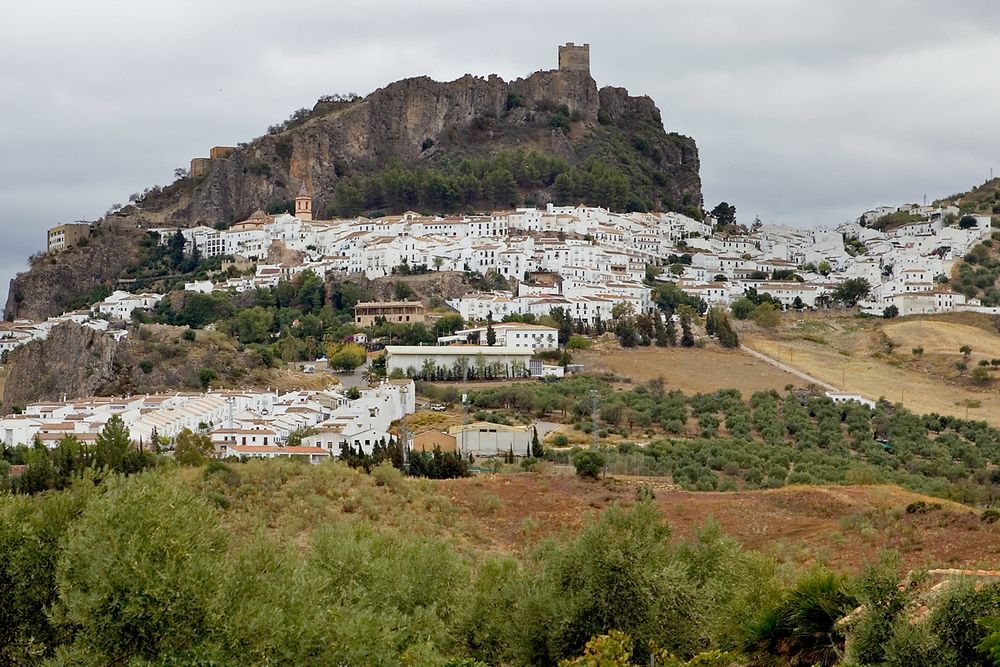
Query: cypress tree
(536, 444)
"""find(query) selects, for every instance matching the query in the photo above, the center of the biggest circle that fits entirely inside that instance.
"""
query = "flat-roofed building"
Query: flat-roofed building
(67, 236)
(476, 360)
(489, 439)
(396, 312)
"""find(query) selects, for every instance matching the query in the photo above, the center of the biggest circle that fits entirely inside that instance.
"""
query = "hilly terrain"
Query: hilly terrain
(470, 145)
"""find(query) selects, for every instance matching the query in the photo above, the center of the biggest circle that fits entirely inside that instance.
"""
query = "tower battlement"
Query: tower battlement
(575, 58)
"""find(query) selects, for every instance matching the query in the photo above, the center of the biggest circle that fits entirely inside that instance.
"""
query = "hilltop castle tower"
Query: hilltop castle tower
(573, 58)
(303, 204)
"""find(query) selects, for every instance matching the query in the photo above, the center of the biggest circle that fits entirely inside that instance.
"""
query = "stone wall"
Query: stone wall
(574, 58)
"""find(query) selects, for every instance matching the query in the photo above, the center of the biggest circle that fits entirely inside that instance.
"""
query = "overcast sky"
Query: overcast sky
(804, 112)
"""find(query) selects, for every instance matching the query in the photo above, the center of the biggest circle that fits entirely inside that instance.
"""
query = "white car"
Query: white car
(438, 407)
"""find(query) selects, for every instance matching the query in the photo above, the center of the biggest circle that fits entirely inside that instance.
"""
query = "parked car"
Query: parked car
(438, 407)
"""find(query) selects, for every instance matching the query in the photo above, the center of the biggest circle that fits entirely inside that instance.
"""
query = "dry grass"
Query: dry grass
(842, 526)
(850, 353)
(692, 370)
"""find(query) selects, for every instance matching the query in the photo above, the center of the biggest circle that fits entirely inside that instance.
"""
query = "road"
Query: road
(788, 369)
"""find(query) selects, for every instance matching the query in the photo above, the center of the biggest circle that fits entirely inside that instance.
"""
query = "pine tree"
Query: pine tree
(687, 335)
(726, 333)
(659, 330)
(112, 445)
(491, 334)
(536, 444)
(671, 331)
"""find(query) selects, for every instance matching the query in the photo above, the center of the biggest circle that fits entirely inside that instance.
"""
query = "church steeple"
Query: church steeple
(303, 204)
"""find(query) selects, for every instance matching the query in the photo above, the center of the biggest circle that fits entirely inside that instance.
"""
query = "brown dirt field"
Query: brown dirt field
(843, 527)
(846, 352)
(692, 370)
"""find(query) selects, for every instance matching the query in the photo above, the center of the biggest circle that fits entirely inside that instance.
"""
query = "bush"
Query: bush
(766, 315)
(188, 335)
(589, 464)
(385, 474)
(146, 366)
(135, 579)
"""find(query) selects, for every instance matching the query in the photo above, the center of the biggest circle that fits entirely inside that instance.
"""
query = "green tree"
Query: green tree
(402, 291)
(253, 325)
(112, 445)
(491, 334)
(766, 315)
(589, 464)
(192, 449)
(135, 579)
(725, 214)
(851, 291)
(687, 334)
(448, 324)
(346, 357)
(536, 445)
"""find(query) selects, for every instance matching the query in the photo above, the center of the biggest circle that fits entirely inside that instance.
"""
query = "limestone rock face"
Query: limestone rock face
(56, 282)
(73, 361)
(393, 123)
(417, 122)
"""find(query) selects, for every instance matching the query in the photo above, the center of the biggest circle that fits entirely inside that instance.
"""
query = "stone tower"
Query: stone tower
(574, 58)
(303, 204)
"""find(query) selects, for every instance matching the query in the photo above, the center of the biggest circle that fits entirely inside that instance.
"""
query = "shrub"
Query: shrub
(146, 366)
(589, 464)
(385, 474)
(136, 580)
(980, 375)
(188, 335)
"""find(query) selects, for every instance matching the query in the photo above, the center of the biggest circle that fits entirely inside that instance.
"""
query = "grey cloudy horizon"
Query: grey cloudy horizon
(805, 113)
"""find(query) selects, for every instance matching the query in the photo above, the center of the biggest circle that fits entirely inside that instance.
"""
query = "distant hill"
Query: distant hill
(470, 145)
(983, 199)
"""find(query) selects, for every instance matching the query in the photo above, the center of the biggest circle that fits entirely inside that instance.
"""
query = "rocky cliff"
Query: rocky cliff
(416, 124)
(419, 121)
(78, 361)
(72, 279)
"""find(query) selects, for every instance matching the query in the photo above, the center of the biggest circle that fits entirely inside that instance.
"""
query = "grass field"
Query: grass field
(843, 526)
(851, 354)
(692, 370)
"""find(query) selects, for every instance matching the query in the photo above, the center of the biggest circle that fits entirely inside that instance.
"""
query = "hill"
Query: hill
(78, 361)
(910, 360)
(473, 144)
(983, 199)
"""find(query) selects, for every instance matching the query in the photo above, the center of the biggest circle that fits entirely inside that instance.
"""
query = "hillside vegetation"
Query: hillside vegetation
(977, 273)
(280, 563)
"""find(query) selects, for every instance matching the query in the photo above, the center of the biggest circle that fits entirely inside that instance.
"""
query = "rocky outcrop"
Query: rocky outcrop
(78, 361)
(395, 123)
(62, 281)
(417, 122)
(73, 361)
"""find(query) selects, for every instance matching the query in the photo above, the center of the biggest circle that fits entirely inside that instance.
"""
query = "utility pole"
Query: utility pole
(594, 398)
(465, 420)
(403, 437)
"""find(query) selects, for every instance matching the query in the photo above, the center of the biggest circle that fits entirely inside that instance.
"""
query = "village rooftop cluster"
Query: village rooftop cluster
(583, 259)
